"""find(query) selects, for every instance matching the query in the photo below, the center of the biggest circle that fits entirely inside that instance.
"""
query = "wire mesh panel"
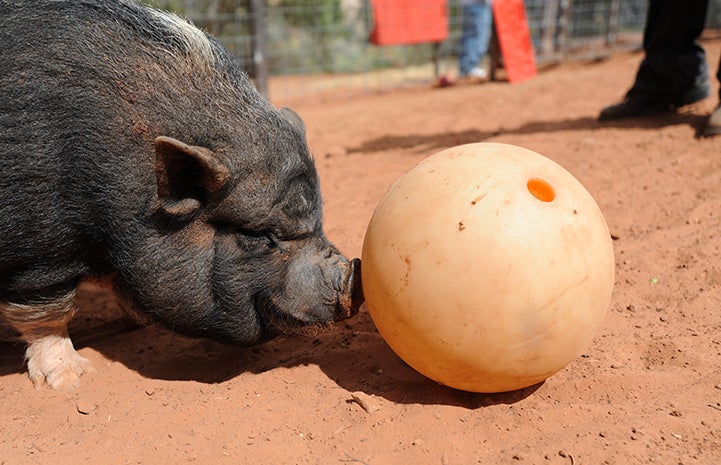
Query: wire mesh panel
(228, 20)
(331, 37)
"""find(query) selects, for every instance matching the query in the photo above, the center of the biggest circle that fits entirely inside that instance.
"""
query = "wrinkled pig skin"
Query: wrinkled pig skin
(133, 147)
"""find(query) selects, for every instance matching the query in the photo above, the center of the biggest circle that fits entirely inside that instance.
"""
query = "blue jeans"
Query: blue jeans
(476, 34)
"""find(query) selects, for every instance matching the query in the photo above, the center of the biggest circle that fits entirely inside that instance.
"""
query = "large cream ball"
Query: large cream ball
(487, 267)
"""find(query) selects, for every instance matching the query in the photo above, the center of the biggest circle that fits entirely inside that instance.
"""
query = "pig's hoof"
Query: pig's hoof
(53, 361)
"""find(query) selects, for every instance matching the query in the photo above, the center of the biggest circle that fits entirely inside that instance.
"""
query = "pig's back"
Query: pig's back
(84, 90)
(86, 87)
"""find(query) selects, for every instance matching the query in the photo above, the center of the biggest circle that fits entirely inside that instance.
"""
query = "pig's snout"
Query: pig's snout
(352, 295)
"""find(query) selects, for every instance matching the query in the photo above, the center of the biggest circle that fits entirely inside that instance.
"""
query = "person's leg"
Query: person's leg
(718, 76)
(476, 34)
(673, 72)
(713, 125)
(675, 61)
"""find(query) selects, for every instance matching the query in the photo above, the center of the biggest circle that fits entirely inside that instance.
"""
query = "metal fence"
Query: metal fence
(331, 37)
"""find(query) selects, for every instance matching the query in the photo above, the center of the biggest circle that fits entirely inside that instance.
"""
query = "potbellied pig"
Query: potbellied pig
(133, 147)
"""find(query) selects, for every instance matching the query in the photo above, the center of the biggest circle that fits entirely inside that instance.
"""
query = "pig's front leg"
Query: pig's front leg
(50, 355)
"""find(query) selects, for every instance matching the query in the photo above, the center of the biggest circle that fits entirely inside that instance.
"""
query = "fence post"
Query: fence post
(257, 29)
(564, 24)
(612, 23)
(549, 21)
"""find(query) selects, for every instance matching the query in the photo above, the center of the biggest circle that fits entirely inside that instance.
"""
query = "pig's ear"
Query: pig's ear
(188, 177)
(293, 118)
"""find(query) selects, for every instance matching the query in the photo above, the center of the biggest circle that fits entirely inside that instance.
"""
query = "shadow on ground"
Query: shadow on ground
(353, 355)
(424, 142)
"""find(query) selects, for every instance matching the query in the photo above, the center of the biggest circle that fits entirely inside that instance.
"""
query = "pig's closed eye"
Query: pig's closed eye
(235, 229)
(252, 239)
(275, 243)
(256, 243)
(269, 242)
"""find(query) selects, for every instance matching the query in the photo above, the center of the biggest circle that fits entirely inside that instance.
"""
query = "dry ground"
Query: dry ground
(648, 390)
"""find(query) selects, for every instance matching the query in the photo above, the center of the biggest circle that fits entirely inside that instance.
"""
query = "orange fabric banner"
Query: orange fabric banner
(404, 22)
(514, 39)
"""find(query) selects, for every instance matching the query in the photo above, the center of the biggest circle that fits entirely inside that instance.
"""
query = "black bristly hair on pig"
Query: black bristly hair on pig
(135, 148)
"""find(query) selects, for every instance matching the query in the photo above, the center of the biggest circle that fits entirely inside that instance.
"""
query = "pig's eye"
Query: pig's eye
(272, 240)
(275, 243)
(252, 239)
(260, 241)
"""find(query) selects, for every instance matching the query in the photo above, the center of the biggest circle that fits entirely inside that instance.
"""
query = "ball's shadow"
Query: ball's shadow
(353, 355)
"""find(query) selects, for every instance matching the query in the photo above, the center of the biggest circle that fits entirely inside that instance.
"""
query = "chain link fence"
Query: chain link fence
(330, 38)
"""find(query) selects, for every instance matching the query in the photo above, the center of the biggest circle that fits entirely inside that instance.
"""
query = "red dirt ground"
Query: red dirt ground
(648, 390)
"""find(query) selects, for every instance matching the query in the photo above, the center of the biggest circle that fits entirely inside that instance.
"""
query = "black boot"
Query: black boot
(641, 104)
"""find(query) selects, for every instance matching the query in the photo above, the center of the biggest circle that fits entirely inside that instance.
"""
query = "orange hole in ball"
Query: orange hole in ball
(541, 189)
